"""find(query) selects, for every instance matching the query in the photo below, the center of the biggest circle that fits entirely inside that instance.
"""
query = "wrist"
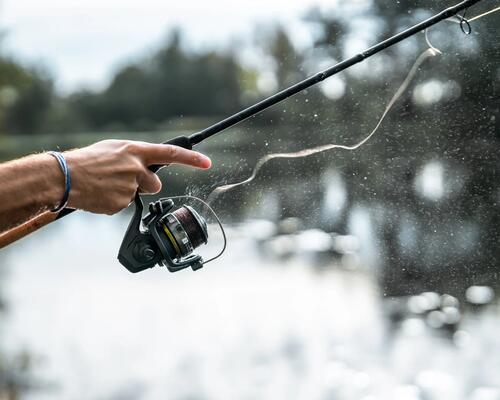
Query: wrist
(53, 186)
(63, 165)
(78, 174)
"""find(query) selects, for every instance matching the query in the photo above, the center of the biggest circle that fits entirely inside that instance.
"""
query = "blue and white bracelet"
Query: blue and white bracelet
(67, 179)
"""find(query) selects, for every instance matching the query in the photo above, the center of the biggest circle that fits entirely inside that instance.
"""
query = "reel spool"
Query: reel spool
(168, 237)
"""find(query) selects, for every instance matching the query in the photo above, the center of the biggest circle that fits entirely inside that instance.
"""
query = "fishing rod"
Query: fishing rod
(169, 237)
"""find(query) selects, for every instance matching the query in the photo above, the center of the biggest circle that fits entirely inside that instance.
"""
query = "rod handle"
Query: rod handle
(25, 229)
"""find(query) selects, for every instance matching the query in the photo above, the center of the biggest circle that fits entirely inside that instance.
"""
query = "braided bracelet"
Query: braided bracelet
(67, 179)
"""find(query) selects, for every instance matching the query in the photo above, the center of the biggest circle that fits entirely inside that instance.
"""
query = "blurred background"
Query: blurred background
(370, 274)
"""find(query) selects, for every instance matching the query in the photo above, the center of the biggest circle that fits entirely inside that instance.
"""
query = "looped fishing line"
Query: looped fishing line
(465, 22)
(430, 52)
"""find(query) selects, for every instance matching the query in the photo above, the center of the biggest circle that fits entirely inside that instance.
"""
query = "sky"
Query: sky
(83, 42)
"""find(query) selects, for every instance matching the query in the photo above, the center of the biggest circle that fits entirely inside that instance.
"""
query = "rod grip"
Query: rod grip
(181, 141)
(14, 234)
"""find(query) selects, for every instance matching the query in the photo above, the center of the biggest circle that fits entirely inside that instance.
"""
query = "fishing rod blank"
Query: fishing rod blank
(321, 76)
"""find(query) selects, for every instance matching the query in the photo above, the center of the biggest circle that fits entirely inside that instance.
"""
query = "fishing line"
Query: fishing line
(465, 22)
(430, 52)
(217, 219)
(462, 19)
(484, 14)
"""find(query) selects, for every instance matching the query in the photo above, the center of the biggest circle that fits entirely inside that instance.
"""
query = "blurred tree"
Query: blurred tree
(25, 97)
(330, 30)
(286, 59)
(173, 83)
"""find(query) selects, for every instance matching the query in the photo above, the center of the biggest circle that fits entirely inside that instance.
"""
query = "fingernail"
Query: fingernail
(205, 161)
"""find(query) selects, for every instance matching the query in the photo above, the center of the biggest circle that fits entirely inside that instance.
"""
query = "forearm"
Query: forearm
(28, 186)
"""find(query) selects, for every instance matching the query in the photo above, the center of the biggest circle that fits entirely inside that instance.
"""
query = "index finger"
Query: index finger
(168, 154)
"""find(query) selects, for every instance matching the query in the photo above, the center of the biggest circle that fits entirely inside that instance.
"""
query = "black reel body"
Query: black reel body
(164, 236)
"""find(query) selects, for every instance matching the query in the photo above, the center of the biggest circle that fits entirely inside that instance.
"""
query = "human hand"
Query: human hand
(106, 175)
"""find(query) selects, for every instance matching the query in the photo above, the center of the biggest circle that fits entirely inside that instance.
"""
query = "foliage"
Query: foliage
(173, 83)
(25, 97)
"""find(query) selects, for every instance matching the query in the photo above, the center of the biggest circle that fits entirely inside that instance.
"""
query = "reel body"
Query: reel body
(164, 236)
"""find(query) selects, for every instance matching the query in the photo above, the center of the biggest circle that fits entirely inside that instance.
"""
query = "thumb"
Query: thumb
(149, 182)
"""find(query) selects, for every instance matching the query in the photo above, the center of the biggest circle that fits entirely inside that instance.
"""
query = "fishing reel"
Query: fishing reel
(166, 236)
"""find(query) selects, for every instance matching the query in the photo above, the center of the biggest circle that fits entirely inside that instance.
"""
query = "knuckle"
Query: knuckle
(110, 208)
(127, 147)
(173, 151)
(124, 204)
(131, 189)
(126, 190)
(130, 168)
(136, 166)
(196, 158)
(121, 203)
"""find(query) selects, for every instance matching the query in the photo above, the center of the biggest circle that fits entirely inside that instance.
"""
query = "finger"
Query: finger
(149, 183)
(168, 154)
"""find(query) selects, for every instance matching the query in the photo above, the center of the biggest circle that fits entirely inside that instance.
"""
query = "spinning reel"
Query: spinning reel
(165, 236)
